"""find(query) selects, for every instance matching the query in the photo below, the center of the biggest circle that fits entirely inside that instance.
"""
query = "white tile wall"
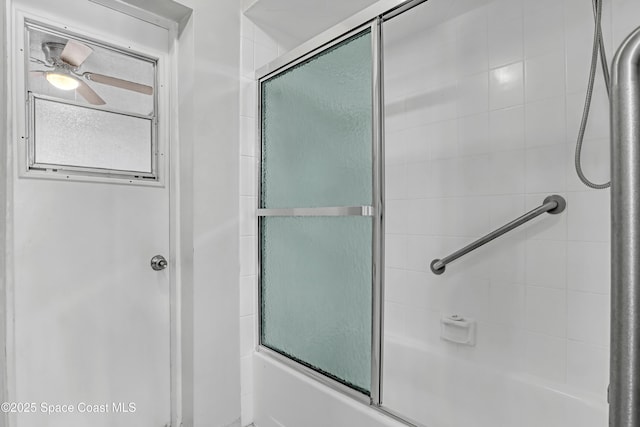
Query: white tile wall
(546, 357)
(506, 85)
(546, 311)
(587, 366)
(541, 294)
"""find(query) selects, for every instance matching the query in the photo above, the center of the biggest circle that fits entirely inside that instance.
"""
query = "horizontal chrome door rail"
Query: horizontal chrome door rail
(552, 204)
(324, 211)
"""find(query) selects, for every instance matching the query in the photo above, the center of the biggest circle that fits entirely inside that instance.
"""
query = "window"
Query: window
(91, 107)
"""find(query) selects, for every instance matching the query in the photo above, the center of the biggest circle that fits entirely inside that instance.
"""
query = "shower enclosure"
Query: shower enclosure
(403, 135)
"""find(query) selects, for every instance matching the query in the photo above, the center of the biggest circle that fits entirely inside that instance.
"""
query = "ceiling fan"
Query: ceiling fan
(64, 62)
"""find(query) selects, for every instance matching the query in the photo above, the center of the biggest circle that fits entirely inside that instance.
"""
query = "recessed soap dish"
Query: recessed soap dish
(458, 329)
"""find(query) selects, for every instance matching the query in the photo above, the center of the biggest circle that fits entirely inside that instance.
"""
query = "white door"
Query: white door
(91, 318)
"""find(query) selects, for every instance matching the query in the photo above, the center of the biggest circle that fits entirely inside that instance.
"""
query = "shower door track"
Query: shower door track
(384, 10)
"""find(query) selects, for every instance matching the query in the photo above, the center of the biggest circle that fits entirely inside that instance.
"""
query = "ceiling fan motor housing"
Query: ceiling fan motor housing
(52, 52)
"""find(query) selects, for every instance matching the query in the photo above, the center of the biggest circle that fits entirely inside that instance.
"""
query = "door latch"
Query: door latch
(158, 263)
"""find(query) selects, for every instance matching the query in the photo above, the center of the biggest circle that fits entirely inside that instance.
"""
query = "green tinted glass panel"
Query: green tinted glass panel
(316, 130)
(316, 293)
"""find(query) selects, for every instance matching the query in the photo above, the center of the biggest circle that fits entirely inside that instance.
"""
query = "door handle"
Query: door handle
(158, 263)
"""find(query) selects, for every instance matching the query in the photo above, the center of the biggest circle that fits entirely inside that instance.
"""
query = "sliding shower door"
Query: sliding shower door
(316, 212)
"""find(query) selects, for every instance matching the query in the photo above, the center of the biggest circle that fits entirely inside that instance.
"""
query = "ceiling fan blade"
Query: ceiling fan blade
(120, 83)
(75, 53)
(37, 73)
(89, 94)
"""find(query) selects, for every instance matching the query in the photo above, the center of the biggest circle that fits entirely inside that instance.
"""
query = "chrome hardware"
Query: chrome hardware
(325, 211)
(624, 374)
(553, 205)
(158, 263)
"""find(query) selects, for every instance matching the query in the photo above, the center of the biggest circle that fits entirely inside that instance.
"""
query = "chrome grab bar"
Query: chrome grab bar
(552, 204)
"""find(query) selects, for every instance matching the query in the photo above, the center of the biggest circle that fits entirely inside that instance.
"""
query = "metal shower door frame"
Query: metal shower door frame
(372, 18)
(375, 210)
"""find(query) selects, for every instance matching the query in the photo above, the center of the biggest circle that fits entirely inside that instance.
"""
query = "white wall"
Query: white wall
(186, 106)
(213, 102)
(482, 117)
(257, 49)
(3, 200)
(291, 23)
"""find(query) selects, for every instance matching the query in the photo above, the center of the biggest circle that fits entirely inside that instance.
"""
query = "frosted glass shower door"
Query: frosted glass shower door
(315, 212)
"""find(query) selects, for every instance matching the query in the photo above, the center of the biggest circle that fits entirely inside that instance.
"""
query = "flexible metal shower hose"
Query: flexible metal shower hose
(598, 47)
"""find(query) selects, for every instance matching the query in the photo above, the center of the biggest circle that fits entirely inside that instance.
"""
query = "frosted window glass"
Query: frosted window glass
(317, 129)
(316, 293)
(69, 135)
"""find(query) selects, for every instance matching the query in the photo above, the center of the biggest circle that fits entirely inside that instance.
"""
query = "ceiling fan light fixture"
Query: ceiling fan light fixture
(63, 81)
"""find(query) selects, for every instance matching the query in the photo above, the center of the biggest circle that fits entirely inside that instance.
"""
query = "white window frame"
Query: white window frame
(23, 119)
